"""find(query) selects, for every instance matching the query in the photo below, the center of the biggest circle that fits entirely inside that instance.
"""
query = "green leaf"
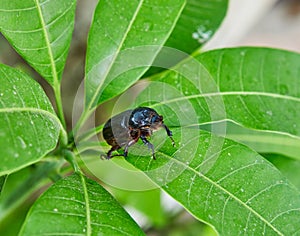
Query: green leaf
(78, 206)
(146, 202)
(287, 166)
(29, 127)
(220, 181)
(264, 141)
(21, 185)
(224, 184)
(124, 39)
(197, 24)
(41, 32)
(259, 87)
(254, 87)
(2, 182)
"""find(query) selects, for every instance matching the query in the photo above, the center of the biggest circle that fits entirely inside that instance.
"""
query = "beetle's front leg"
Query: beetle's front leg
(169, 133)
(149, 145)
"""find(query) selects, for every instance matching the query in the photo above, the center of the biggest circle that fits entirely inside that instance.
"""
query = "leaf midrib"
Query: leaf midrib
(48, 44)
(115, 54)
(87, 205)
(230, 93)
(225, 191)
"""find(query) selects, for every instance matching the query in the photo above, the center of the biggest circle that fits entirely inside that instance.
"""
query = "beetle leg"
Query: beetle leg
(169, 133)
(130, 143)
(149, 145)
(113, 148)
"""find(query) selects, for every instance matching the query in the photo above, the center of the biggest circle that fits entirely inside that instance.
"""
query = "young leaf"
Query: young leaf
(78, 206)
(224, 184)
(29, 127)
(197, 24)
(119, 37)
(41, 32)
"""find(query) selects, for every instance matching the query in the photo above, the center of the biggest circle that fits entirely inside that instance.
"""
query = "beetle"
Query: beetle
(126, 128)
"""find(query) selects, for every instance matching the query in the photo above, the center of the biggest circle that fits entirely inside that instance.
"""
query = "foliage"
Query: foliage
(222, 107)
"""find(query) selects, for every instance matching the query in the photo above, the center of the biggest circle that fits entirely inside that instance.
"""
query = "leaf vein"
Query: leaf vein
(264, 190)
(209, 180)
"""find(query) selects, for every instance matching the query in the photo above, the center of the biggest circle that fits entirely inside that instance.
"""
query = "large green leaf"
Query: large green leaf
(78, 206)
(254, 87)
(40, 31)
(124, 39)
(227, 185)
(220, 181)
(259, 86)
(29, 128)
(197, 24)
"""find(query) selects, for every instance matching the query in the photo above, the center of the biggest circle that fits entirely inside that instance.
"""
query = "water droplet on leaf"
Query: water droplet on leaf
(202, 34)
(22, 142)
(148, 26)
(270, 113)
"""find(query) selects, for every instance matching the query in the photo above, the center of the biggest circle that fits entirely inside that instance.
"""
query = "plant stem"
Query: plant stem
(70, 157)
(59, 105)
(83, 117)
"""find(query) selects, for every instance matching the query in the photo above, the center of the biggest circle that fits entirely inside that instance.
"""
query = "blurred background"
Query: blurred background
(270, 23)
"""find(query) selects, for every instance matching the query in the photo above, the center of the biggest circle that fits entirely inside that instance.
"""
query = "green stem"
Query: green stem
(70, 157)
(84, 116)
(59, 105)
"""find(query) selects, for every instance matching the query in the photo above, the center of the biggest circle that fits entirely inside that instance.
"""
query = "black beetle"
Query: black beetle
(124, 129)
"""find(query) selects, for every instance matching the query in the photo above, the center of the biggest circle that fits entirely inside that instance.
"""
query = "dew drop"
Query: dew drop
(201, 34)
(55, 210)
(270, 113)
(1, 94)
(148, 26)
(16, 155)
(22, 142)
